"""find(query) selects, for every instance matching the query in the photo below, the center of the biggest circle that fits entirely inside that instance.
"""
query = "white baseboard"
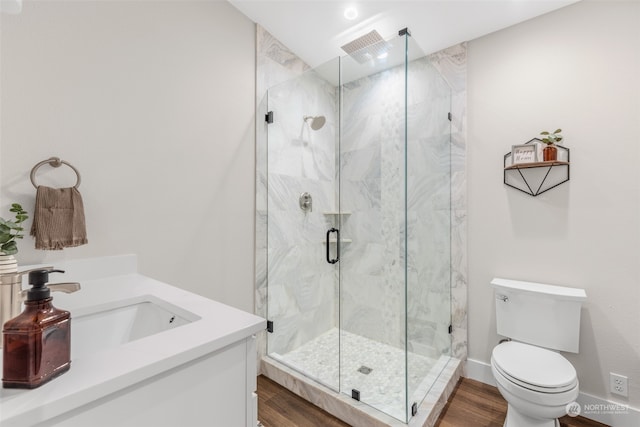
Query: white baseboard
(595, 408)
(479, 371)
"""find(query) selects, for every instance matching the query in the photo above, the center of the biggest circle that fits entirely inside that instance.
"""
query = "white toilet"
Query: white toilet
(536, 381)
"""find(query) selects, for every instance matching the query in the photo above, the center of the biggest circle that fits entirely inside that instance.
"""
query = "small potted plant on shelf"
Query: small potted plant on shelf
(550, 152)
(9, 232)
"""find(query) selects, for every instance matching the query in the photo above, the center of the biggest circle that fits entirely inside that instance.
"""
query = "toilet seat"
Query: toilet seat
(534, 368)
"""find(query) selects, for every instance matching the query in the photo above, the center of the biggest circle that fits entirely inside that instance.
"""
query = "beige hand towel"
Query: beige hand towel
(58, 220)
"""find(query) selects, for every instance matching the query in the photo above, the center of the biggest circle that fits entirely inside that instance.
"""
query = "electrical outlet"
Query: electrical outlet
(619, 384)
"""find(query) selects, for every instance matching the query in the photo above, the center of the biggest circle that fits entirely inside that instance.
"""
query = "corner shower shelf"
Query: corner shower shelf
(341, 241)
(537, 177)
(336, 213)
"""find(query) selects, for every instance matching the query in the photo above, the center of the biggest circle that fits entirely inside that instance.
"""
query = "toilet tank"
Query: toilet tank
(538, 314)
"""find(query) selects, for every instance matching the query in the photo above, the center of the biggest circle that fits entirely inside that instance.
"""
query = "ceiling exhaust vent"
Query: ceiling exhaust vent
(366, 47)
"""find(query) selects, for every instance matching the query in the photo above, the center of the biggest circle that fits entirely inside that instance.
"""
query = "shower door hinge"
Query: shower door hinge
(449, 116)
(414, 409)
(404, 31)
(270, 326)
(450, 329)
(269, 117)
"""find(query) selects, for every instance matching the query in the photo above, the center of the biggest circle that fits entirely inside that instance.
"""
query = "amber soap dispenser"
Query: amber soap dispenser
(36, 343)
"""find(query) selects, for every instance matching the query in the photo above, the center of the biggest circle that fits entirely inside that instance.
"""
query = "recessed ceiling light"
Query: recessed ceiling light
(351, 13)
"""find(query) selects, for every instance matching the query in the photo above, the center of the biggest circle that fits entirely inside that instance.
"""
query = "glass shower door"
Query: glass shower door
(394, 185)
(302, 287)
(372, 172)
(428, 208)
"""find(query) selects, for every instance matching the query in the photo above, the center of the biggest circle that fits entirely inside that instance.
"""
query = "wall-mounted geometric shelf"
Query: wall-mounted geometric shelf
(539, 177)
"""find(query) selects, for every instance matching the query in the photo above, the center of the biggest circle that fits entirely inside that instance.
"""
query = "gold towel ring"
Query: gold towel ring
(54, 162)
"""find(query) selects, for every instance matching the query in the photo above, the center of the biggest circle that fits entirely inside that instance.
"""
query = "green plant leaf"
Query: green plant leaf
(9, 248)
(12, 225)
(544, 133)
(7, 238)
(558, 131)
(17, 208)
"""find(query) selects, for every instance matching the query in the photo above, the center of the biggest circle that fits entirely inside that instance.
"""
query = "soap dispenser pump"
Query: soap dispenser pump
(37, 343)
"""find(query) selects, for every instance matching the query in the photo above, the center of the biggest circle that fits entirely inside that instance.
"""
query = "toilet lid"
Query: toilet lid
(535, 366)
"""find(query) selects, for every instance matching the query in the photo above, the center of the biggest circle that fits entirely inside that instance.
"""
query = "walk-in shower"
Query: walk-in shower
(359, 287)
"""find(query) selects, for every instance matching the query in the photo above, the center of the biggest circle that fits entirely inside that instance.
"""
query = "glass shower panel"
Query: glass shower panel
(372, 199)
(302, 287)
(358, 168)
(428, 224)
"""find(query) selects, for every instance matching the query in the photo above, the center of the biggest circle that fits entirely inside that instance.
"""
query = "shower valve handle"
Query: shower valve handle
(337, 258)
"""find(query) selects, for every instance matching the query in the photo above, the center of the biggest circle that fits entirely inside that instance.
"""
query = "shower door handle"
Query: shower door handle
(328, 242)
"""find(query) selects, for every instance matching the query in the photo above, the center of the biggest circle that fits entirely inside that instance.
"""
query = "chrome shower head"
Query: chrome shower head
(316, 121)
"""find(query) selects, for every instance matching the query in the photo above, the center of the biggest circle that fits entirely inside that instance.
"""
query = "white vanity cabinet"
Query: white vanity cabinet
(200, 372)
(216, 390)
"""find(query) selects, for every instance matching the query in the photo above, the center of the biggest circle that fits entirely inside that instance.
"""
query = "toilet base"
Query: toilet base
(518, 419)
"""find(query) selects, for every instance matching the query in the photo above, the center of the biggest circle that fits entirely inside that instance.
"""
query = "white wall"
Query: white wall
(577, 68)
(153, 102)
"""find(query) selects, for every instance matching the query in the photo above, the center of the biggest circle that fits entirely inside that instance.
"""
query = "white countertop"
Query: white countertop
(93, 377)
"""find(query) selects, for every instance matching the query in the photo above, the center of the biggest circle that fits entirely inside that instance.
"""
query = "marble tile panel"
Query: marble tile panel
(275, 61)
(364, 226)
(360, 196)
(367, 259)
(361, 164)
(436, 399)
(369, 313)
(452, 65)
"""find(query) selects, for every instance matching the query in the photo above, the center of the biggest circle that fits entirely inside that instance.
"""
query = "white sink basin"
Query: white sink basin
(108, 326)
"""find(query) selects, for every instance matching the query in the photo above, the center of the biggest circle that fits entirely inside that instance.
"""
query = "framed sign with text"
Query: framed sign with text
(525, 153)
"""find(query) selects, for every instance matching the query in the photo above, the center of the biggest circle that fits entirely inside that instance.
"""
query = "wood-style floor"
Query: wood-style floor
(477, 404)
(278, 407)
(472, 404)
